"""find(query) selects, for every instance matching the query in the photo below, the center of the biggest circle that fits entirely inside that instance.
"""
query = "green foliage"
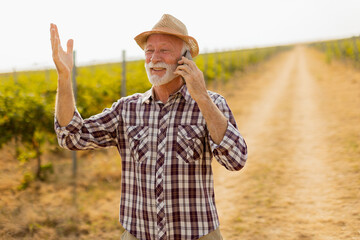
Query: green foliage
(343, 49)
(220, 66)
(25, 182)
(46, 169)
(24, 155)
(26, 101)
(28, 177)
(27, 98)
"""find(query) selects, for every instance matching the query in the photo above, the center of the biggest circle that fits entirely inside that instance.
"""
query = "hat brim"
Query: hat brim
(190, 41)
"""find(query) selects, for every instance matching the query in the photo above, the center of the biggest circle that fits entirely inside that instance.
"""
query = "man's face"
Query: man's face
(162, 52)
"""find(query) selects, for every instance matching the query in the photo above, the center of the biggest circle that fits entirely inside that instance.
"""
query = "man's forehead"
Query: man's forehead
(163, 39)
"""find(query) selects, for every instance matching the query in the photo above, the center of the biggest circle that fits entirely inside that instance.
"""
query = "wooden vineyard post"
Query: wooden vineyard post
(222, 70)
(123, 80)
(323, 45)
(74, 156)
(206, 59)
(239, 62)
(356, 52)
(47, 75)
(216, 78)
(73, 153)
(15, 76)
(341, 52)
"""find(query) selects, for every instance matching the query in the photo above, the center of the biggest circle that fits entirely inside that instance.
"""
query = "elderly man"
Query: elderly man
(166, 137)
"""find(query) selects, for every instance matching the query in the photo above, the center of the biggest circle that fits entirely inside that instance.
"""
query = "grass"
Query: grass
(51, 210)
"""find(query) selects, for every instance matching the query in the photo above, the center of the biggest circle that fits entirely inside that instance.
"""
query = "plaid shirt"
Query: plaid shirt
(167, 187)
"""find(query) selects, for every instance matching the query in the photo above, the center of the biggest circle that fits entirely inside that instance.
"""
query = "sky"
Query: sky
(103, 29)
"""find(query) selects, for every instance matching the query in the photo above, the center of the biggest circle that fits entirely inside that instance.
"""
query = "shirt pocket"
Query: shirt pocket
(139, 142)
(190, 142)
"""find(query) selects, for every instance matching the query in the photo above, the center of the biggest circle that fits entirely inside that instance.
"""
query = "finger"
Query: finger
(52, 37)
(70, 46)
(180, 73)
(182, 61)
(55, 40)
(55, 47)
(57, 33)
(185, 60)
(183, 68)
(52, 33)
(190, 63)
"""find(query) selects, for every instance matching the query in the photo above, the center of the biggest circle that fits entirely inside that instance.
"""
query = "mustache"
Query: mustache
(159, 65)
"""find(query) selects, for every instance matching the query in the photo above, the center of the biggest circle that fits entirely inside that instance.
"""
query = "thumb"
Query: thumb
(70, 45)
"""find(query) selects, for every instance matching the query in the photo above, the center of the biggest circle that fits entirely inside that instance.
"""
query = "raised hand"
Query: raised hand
(65, 103)
(63, 60)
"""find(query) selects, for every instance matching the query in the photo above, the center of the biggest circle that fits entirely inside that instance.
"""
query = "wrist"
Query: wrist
(64, 80)
(64, 77)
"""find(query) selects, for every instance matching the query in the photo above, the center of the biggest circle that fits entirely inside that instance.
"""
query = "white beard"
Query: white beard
(156, 80)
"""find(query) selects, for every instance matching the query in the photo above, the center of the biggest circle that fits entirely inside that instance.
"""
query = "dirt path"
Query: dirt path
(298, 183)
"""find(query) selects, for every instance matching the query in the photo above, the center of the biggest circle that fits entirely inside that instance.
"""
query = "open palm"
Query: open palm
(63, 60)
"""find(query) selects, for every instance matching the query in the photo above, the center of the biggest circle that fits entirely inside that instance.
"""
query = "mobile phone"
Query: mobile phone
(187, 54)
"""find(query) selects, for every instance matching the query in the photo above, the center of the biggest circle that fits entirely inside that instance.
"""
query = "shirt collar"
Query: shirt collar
(185, 93)
(149, 95)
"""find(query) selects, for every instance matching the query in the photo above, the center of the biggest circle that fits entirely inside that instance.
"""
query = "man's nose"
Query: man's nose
(156, 57)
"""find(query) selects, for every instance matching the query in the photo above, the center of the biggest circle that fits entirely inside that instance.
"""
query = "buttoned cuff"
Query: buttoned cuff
(73, 127)
(228, 142)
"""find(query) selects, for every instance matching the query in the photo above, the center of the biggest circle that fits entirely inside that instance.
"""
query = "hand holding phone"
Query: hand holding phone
(192, 76)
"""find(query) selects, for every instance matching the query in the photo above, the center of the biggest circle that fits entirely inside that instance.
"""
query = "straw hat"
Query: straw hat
(171, 26)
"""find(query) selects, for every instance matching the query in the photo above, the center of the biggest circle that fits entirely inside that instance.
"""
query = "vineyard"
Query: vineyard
(27, 98)
(296, 106)
(347, 50)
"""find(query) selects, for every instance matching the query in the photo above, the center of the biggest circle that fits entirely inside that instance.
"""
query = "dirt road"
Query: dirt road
(300, 118)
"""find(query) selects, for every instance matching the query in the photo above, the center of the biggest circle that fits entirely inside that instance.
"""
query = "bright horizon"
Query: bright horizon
(102, 31)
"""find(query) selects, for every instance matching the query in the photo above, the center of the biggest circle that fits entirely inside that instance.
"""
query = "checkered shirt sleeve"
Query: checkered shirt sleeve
(98, 131)
(232, 150)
